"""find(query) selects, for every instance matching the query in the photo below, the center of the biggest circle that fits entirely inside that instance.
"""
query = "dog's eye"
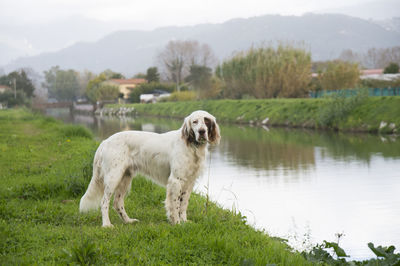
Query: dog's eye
(195, 122)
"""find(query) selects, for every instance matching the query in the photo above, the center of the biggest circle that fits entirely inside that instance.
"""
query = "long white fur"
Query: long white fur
(174, 159)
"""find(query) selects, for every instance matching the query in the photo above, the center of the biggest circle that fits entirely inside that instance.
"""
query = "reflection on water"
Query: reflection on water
(296, 182)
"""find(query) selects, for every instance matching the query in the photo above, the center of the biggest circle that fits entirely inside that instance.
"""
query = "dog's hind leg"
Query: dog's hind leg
(111, 181)
(120, 193)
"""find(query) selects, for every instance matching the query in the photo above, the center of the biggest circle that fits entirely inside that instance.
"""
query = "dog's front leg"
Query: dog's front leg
(172, 201)
(184, 201)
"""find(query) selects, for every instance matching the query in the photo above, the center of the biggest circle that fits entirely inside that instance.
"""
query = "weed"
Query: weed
(83, 254)
(320, 255)
(75, 185)
(338, 106)
(76, 131)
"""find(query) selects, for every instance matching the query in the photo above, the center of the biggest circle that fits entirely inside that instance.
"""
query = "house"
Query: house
(125, 85)
(4, 88)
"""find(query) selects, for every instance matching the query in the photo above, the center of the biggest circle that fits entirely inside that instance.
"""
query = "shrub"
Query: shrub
(146, 88)
(339, 75)
(339, 106)
(182, 96)
(76, 131)
(392, 68)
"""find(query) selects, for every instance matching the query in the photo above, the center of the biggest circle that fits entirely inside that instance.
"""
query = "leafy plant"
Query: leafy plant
(338, 106)
(83, 254)
(319, 254)
(392, 68)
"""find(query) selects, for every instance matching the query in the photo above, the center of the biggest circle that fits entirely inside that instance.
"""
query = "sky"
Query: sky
(149, 14)
(31, 27)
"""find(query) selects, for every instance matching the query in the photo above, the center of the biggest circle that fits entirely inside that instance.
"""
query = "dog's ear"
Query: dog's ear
(214, 135)
(185, 129)
(187, 132)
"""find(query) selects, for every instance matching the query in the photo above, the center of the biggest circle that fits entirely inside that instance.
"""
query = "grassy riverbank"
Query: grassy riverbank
(45, 167)
(346, 114)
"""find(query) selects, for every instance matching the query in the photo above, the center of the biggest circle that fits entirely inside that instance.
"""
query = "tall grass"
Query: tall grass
(267, 72)
(338, 106)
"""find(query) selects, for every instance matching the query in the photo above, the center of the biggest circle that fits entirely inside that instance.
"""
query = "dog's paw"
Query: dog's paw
(108, 226)
(131, 221)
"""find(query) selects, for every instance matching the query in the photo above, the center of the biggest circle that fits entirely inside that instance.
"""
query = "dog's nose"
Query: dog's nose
(202, 131)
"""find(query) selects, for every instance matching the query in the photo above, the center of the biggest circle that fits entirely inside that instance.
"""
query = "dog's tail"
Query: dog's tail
(92, 198)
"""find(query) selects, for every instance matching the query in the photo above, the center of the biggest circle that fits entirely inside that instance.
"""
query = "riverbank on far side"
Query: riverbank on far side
(354, 114)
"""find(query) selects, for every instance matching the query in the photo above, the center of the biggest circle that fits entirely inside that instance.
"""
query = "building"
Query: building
(4, 88)
(125, 85)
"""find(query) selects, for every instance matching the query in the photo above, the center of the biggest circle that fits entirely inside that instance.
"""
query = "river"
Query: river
(305, 186)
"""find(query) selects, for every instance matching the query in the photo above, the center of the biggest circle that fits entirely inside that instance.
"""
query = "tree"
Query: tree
(392, 68)
(22, 82)
(62, 85)
(199, 77)
(339, 75)
(93, 85)
(105, 92)
(139, 76)
(373, 58)
(177, 57)
(152, 75)
(98, 90)
(109, 74)
(83, 80)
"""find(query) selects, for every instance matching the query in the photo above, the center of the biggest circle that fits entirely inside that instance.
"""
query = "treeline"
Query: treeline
(189, 71)
(372, 58)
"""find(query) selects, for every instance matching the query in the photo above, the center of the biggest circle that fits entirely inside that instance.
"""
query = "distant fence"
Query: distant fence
(351, 92)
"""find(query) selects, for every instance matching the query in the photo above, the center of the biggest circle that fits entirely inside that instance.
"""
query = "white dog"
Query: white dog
(174, 159)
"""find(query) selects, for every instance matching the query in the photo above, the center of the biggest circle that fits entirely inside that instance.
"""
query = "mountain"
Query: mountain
(27, 40)
(376, 10)
(129, 52)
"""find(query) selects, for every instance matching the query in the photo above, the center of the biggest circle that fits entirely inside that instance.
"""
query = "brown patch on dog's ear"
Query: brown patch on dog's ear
(213, 131)
(187, 132)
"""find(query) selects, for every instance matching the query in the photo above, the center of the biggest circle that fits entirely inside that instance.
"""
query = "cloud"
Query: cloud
(156, 12)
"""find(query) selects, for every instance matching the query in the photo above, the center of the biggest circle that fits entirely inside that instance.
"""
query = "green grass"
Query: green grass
(364, 115)
(45, 167)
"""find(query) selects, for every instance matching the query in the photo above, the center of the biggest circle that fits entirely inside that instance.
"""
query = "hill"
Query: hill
(129, 52)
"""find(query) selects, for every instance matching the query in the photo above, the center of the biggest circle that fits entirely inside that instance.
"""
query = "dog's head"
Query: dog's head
(199, 128)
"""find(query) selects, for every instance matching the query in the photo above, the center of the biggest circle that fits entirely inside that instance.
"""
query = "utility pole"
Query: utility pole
(15, 87)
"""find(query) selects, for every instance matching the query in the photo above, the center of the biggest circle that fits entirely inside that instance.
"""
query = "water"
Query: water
(302, 185)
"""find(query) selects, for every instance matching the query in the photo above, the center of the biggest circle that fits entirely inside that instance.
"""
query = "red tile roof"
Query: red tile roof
(128, 81)
(371, 71)
(4, 87)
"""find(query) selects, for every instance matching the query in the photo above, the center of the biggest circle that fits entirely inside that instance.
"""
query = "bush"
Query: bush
(8, 98)
(339, 106)
(76, 131)
(146, 88)
(339, 75)
(392, 68)
(182, 96)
